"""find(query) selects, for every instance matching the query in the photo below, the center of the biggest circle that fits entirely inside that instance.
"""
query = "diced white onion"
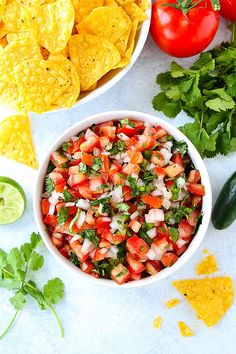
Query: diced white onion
(117, 195)
(77, 155)
(168, 145)
(89, 133)
(134, 215)
(74, 138)
(74, 238)
(152, 233)
(83, 204)
(158, 252)
(140, 183)
(122, 136)
(87, 246)
(166, 203)
(51, 209)
(134, 175)
(171, 221)
(154, 215)
(166, 155)
(53, 201)
(103, 250)
(96, 151)
(81, 219)
(156, 192)
(180, 243)
(91, 254)
(181, 182)
(154, 253)
(151, 254)
(67, 155)
(151, 166)
(167, 194)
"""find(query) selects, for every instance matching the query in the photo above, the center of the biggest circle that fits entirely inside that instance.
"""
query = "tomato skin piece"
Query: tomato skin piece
(86, 267)
(177, 158)
(168, 259)
(115, 274)
(185, 229)
(60, 187)
(75, 180)
(84, 190)
(102, 222)
(228, 9)
(45, 206)
(99, 256)
(194, 176)
(51, 220)
(196, 189)
(126, 190)
(137, 246)
(135, 265)
(57, 159)
(153, 202)
(182, 35)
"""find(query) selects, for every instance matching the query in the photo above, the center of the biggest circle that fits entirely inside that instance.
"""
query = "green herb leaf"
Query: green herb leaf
(54, 290)
(180, 146)
(49, 185)
(62, 216)
(117, 147)
(68, 197)
(90, 234)
(74, 259)
(35, 261)
(174, 234)
(15, 259)
(18, 300)
(122, 207)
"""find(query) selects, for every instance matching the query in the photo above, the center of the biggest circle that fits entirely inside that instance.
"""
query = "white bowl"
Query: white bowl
(114, 76)
(197, 160)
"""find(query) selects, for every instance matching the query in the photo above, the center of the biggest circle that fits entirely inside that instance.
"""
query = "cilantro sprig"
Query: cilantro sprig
(15, 267)
(207, 93)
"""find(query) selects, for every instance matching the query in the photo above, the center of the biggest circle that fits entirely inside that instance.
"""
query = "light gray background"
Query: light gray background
(115, 321)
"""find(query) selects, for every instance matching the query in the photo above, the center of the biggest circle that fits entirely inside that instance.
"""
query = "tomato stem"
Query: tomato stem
(233, 42)
(215, 5)
(186, 5)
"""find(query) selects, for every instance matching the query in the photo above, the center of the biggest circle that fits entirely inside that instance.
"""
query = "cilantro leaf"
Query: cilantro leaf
(49, 185)
(50, 167)
(74, 259)
(18, 300)
(180, 146)
(174, 234)
(97, 163)
(162, 103)
(36, 261)
(15, 259)
(62, 216)
(68, 197)
(35, 239)
(90, 234)
(122, 207)
(54, 290)
(117, 147)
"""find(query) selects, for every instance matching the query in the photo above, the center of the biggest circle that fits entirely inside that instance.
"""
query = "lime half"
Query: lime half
(12, 200)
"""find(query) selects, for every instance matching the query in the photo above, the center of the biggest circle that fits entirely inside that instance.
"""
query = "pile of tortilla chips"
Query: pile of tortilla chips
(52, 50)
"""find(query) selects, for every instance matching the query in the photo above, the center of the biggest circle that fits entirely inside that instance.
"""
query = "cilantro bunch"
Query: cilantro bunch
(207, 93)
(15, 267)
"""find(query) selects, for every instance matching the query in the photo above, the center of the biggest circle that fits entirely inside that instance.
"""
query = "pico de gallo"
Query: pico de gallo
(122, 200)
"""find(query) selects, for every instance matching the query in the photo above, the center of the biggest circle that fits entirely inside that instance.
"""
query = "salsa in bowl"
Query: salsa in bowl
(123, 200)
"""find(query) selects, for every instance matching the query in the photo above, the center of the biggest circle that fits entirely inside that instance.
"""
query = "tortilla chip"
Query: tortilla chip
(135, 12)
(111, 3)
(106, 21)
(3, 42)
(209, 297)
(40, 83)
(123, 2)
(143, 4)
(185, 330)
(84, 7)
(207, 266)
(16, 140)
(172, 303)
(122, 42)
(9, 94)
(70, 95)
(130, 47)
(92, 57)
(157, 322)
(2, 7)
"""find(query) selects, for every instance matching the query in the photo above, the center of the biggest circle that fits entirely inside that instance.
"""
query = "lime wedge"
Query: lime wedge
(12, 200)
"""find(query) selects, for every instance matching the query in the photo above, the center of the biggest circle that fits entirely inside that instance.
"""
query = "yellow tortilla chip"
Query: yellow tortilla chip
(12, 16)
(3, 30)
(122, 42)
(207, 266)
(209, 297)
(70, 95)
(53, 24)
(92, 57)
(143, 4)
(105, 21)
(157, 322)
(30, 3)
(16, 140)
(185, 330)
(135, 12)
(111, 3)
(84, 7)
(3, 42)
(40, 83)
(130, 47)
(172, 303)
(91, 88)
(123, 2)
(2, 7)
(9, 94)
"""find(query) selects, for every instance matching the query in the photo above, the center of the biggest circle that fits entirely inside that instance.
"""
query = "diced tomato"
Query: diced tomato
(104, 141)
(108, 131)
(135, 157)
(102, 222)
(177, 159)
(60, 187)
(160, 132)
(145, 143)
(120, 274)
(137, 246)
(153, 202)
(132, 208)
(153, 267)
(193, 217)
(116, 177)
(95, 184)
(64, 252)
(135, 225)
(179, 250)
(162, 243)
(86, 267)
(116, 166)
(135, 265)
(133, 275)
(131, 168)
(64, 229)
(185, 229)
(75, 180)
(76, 247)
(89, 144)
(194, 176)
(45, 205)
(76, 145)
(126, 190)
(169, 183)
(157, 158)
(196, 201)
(114, 239)
(160, 171)
(174, 170)
(58, 159)
(163, 230)
(62, 170)
(105, 163)
(87, 159)
(168, 259)
(51, 220)
(131, 142)
(74, 170)
(129, 131)
(84, 190)
(72, 209)
(56, 177)
(89, 217)
(57, 239)
(99, 255)
(104, 244)
(197, 189)
(74, 193)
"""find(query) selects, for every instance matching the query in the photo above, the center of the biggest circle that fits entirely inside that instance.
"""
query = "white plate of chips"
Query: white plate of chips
(59, 53)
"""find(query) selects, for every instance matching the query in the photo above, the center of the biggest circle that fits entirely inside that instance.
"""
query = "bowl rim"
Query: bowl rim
(195, 157)
(141, 40)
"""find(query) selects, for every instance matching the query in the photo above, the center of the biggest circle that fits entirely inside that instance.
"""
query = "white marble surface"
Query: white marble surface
(104, 321)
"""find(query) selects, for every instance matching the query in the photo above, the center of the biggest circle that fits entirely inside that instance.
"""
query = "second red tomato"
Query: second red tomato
(183, 35)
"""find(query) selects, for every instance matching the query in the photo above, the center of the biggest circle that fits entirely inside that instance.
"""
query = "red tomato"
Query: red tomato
(177, 159)
(114, 239)
(194, 176)
(197, 189)
(136, 266)
(102, 221)
(51, 220)
(153, 202)
(228, 9)
(45, 206)
(99, 255)
(75, 180)
(120, 274)
(183, 35)
(84, 190)
(137, 246)
(168, 259)
(185, 229)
